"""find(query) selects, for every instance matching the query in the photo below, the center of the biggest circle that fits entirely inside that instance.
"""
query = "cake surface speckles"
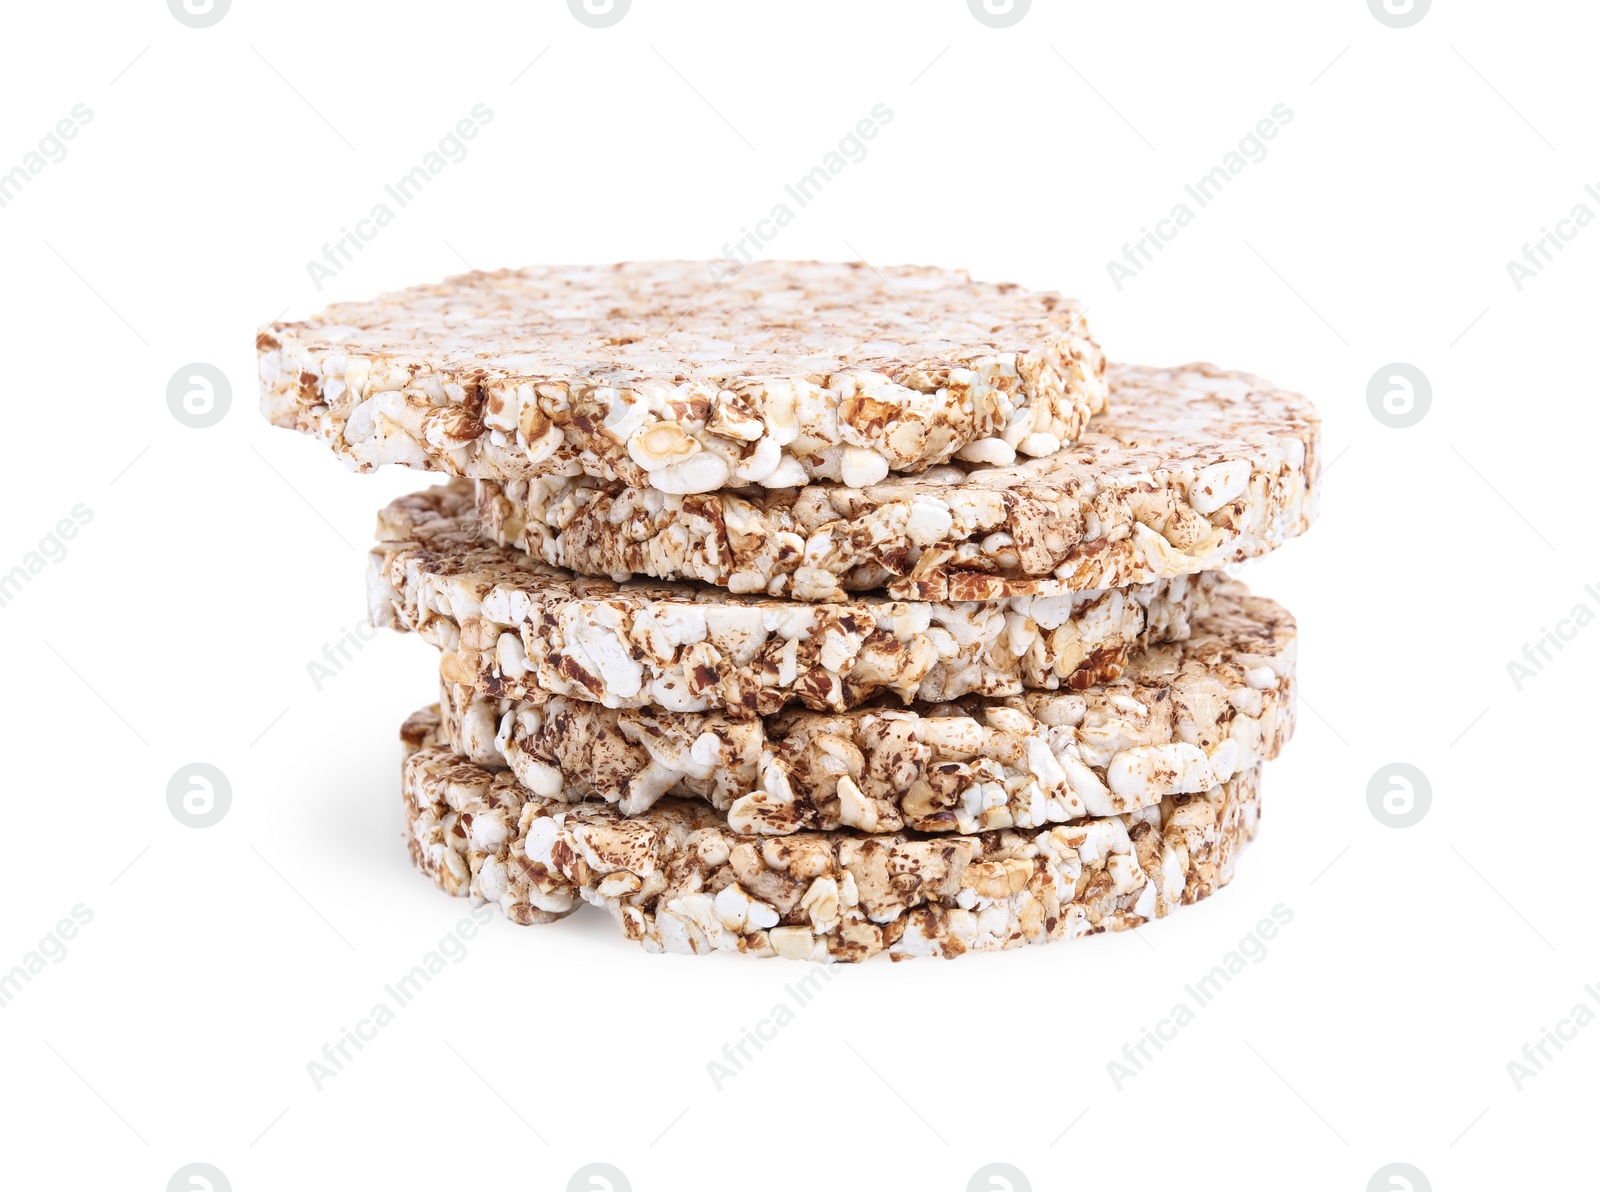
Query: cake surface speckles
(515, 628)
(677, 879)
(1188, 469)
(1183, 717)
(669, 374)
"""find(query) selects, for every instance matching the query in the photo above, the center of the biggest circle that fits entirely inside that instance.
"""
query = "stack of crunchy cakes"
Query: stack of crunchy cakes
(817, 612)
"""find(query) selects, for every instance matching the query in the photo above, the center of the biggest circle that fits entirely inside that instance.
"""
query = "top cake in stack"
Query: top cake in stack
(656, 374)
(803, 555)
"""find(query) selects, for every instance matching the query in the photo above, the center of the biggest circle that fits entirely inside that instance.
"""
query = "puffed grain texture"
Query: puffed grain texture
(1182, 718)
(1189, 469)
(677, 879)
(516, 628)
(675, 375)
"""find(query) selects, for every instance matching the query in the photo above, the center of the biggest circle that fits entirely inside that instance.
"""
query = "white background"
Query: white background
(218, 563)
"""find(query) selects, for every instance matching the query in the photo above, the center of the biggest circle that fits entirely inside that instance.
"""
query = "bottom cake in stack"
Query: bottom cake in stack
(678, 879)
(976, 824)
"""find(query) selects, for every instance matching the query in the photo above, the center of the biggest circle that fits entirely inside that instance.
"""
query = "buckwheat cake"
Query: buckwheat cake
(1182, 718)
(669, 374)
(1188, 469)
(515, 628)
(814, 610)
(678, 879)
